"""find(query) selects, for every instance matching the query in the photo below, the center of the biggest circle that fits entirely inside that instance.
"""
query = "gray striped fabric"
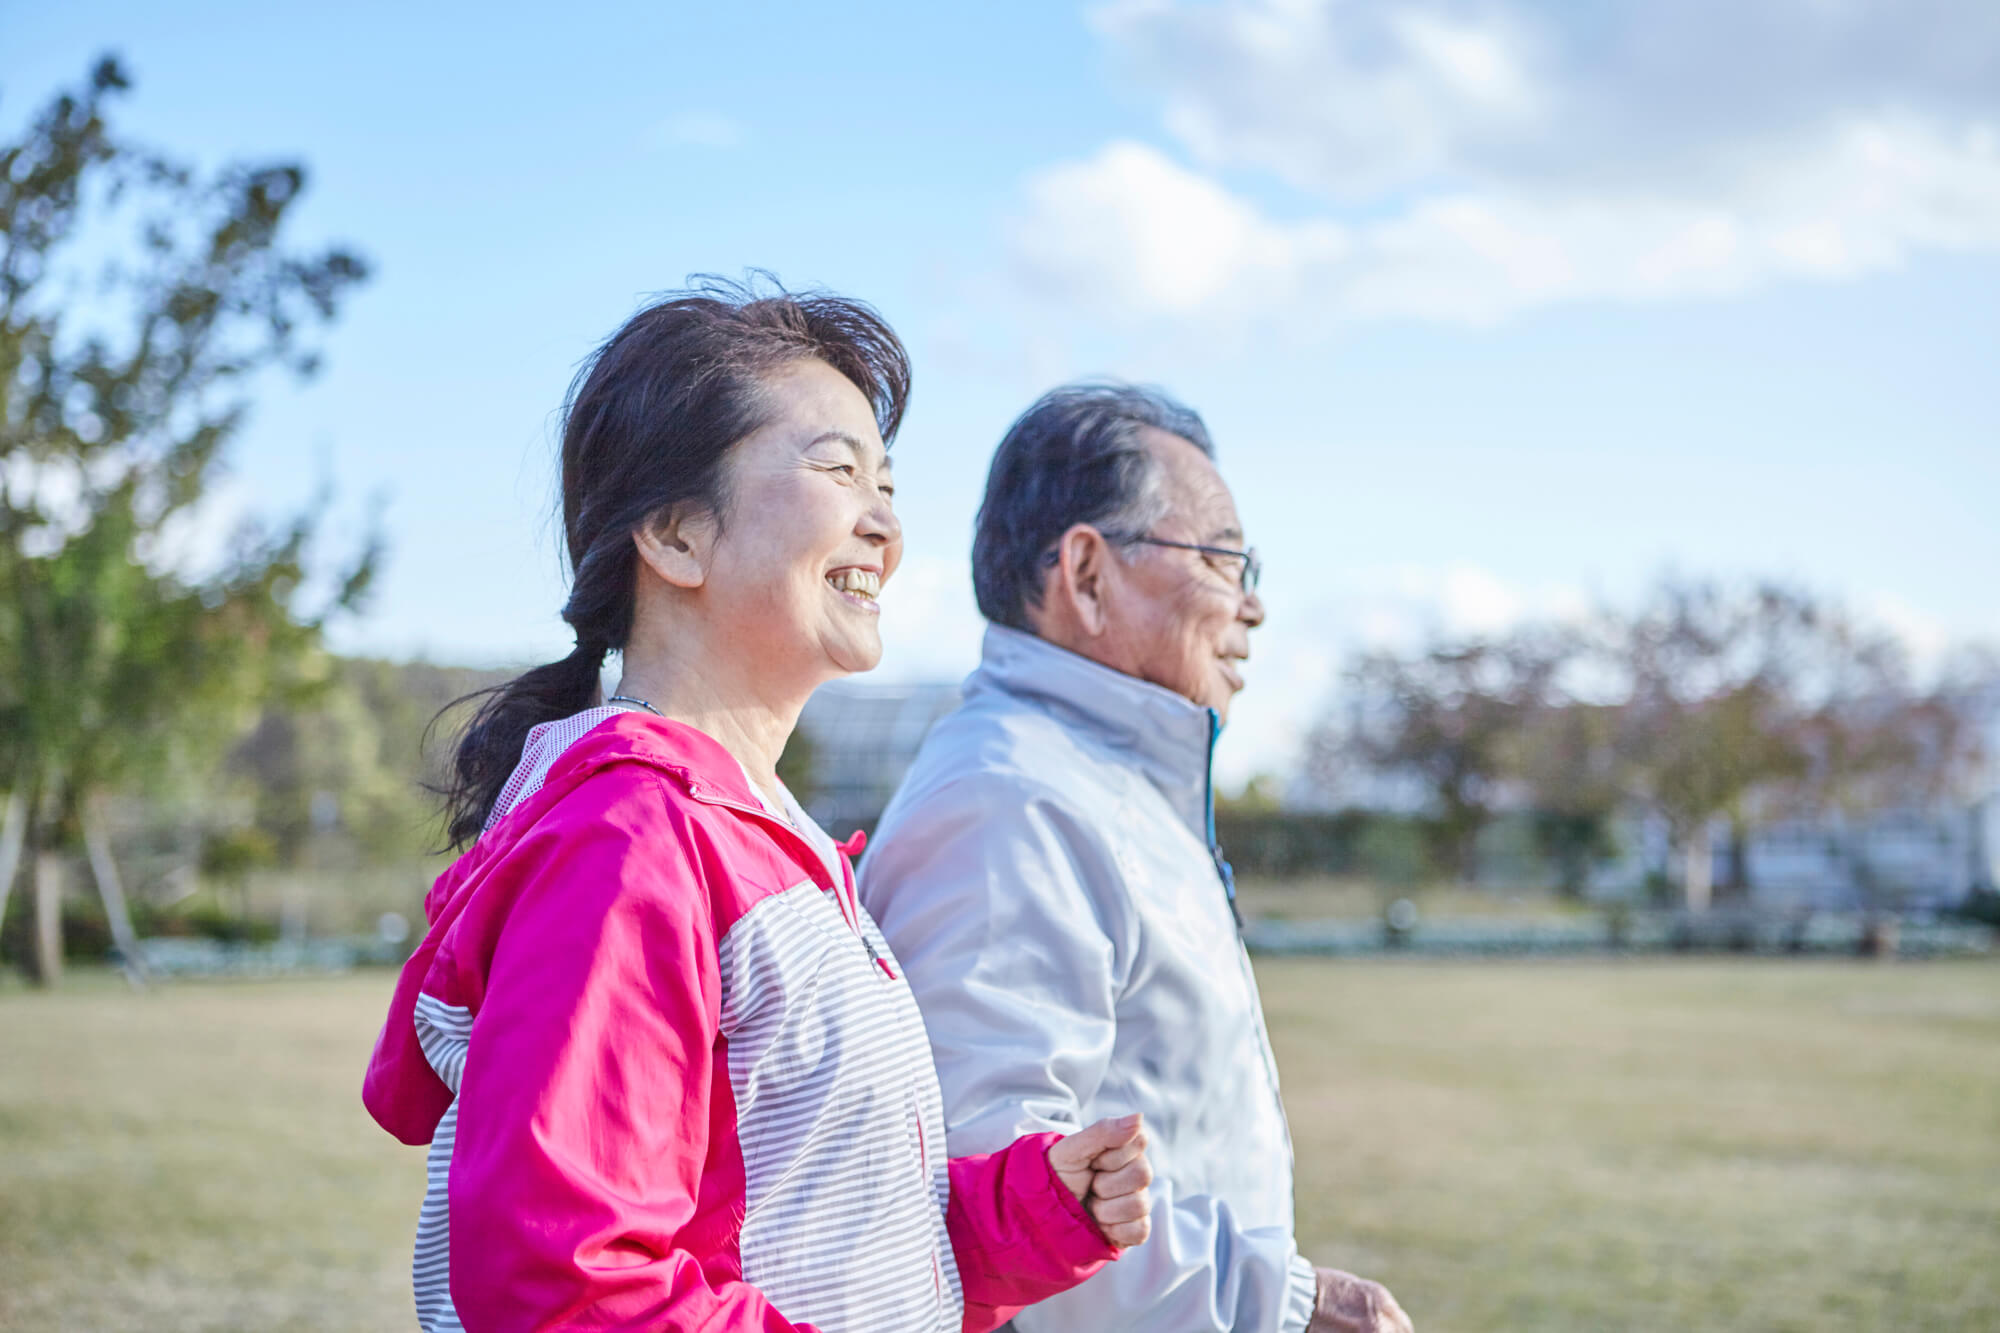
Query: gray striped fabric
(539, 753)
(443, 1030)
(841, 1124)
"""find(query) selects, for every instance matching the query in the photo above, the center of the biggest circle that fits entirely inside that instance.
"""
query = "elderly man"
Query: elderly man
(1048, 873)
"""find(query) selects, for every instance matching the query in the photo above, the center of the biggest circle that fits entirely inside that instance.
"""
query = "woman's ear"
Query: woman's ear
(676, 545)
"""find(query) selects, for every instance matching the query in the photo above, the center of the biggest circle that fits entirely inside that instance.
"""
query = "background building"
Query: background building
(860, 738)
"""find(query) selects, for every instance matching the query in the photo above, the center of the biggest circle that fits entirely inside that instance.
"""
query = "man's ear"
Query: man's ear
(676, 545)
(1081, 577)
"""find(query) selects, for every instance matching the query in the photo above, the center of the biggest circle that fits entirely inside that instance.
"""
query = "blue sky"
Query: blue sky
(1493, 312)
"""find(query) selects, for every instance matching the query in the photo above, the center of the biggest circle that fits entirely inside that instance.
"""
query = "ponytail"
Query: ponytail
(491, 744)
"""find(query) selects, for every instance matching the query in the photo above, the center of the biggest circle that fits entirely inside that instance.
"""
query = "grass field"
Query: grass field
(1347, 897)
(1641, 1146)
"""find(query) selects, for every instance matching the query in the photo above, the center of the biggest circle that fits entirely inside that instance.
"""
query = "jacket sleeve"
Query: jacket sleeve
(1017, 1232)
(587, 1110)
(982, 885)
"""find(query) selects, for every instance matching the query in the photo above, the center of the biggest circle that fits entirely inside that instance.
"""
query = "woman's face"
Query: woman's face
(809, 534)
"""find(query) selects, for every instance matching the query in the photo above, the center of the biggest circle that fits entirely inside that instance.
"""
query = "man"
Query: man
(1049, 878)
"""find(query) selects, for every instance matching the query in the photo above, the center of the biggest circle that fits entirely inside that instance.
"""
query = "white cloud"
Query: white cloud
(698, 129)
(1350, 97)
(1131, 230)
(1477, 159)
(1131, 233)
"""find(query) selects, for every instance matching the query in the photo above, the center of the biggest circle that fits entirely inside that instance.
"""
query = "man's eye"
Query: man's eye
(888, 492)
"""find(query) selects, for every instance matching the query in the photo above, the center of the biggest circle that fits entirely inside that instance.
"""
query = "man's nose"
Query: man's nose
(1251, 612)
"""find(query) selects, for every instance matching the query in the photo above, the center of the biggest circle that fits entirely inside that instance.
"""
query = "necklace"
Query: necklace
(777, 809)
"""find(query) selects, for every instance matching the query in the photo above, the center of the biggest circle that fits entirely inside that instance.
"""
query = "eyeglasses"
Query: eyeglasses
(1253, 568)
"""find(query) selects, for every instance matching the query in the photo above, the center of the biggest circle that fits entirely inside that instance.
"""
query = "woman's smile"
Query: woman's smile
(860, 586)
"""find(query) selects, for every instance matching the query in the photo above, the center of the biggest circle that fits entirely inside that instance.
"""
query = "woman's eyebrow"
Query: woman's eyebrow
(860, 449)
(839, 436)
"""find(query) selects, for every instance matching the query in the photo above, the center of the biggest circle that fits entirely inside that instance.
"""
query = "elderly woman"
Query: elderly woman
(668, 1069)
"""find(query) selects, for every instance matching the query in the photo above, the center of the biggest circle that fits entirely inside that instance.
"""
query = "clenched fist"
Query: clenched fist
(1105, 1166)
(1349, 1304)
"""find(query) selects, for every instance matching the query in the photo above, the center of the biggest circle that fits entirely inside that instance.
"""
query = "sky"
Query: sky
(1495, 308)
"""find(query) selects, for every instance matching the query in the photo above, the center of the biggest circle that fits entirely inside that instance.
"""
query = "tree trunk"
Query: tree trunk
(105, 871)
(12, 832)
(1739, 862)
(48, 950)
(1700, 868)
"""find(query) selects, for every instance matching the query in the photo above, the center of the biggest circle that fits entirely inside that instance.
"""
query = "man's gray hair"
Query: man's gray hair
(1074, 457)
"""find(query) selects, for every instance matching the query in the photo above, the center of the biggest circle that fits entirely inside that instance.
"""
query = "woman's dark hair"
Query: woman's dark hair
(649, 421)
(1074, 457)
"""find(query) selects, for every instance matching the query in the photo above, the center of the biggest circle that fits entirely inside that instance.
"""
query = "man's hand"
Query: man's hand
(1105, 1166)
(1348, 1304)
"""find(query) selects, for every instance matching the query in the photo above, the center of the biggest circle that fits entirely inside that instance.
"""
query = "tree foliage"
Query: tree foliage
(139, 301)
(1707, 705)
(1442, 721)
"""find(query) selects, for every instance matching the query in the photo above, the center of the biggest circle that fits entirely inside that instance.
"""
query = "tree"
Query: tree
(357, 744)
(1713, 707)
(1749, 703)
(1441, 720)
(1874, 741)
(1564, 756)
(121, 384)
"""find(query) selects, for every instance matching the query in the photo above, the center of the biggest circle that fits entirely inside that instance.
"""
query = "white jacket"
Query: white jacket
(1047, 875)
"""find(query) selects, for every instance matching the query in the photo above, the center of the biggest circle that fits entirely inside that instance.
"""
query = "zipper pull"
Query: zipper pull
(1228, 874)
(878, 959)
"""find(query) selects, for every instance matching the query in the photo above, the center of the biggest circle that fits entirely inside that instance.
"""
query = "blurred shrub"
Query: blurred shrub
(1396, 852)
(87, 933)
(1277, 845)
(1981, 905)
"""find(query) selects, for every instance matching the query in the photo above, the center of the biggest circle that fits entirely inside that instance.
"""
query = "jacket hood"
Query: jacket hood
(401, 1089)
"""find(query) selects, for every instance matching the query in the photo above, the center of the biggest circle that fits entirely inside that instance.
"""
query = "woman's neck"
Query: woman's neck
(723, 704)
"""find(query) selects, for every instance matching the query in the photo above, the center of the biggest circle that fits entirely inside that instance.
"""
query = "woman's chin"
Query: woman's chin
(856, 654)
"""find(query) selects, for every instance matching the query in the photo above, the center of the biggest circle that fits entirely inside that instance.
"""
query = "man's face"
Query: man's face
(1178, 618)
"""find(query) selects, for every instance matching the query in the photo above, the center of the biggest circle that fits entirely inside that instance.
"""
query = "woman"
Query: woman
(667, 1067)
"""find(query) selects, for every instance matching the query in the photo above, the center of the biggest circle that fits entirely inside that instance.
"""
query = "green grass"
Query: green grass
(197, 1158)
(1651, 1146)
(1600, 1147)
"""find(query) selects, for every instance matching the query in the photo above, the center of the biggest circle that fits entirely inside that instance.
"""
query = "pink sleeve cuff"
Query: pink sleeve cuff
(1017, 1232)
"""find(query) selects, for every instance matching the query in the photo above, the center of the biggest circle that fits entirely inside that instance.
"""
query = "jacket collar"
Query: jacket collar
(1170, 739)
(699, 763)
(694, 759)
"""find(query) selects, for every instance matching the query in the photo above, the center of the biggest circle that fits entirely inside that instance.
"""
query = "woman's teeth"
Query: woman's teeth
(863, 582)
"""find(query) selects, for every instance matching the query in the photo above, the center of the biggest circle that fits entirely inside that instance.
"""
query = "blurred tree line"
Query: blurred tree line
(1709, 707)
(141, 301)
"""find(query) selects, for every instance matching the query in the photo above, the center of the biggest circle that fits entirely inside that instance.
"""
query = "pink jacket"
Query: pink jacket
(671, 1076)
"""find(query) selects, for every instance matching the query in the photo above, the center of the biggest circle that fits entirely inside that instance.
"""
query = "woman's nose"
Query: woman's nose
(879, 521)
